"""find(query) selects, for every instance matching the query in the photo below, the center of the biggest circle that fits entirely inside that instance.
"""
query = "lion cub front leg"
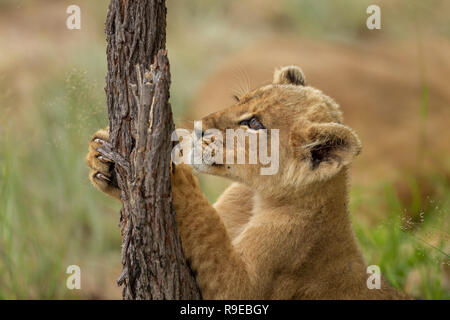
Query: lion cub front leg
(102, 174)
(220, 272)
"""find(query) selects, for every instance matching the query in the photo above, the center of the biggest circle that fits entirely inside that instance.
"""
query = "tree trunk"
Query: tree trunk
(141, 125)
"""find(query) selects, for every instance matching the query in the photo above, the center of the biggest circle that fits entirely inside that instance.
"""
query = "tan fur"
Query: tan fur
(281, 236)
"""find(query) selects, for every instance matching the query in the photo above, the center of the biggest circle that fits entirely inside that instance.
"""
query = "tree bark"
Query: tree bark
(140, 116)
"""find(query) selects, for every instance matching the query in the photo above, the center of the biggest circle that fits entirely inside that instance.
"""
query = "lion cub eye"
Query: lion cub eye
(252, 123)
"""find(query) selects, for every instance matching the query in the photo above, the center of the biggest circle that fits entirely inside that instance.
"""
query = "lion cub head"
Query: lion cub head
(283, 135)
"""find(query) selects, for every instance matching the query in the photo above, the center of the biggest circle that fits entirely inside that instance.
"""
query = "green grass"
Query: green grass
(408, 245)
(50, 216)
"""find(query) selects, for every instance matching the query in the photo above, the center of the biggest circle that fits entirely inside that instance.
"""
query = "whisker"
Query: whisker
(242, 82)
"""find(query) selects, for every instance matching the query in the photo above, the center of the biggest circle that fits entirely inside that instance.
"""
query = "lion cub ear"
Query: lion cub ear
(325, 147)
(289, 75)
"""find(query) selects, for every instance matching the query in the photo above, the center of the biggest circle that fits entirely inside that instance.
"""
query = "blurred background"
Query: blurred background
(392, 84)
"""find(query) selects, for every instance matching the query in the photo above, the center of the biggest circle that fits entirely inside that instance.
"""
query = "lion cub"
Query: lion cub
(280, 236)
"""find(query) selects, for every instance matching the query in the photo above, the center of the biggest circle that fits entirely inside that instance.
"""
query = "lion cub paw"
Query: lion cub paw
(185, 187)
(102, 174)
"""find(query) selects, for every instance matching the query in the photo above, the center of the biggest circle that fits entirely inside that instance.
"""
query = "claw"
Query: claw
(104, 159)
(102, 177)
